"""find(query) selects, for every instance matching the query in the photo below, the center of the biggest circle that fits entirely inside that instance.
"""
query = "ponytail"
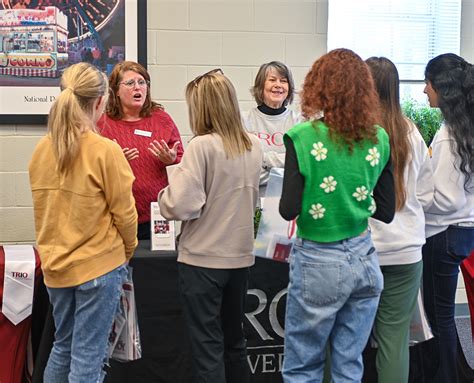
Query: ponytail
(73, 111)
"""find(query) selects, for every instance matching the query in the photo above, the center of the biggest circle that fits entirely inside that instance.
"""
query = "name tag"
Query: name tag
(143, 133)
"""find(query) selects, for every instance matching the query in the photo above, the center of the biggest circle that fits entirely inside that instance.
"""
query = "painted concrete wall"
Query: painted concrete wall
(187, 38)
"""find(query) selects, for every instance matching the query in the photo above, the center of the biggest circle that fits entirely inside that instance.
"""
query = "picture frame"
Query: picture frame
(36, 45)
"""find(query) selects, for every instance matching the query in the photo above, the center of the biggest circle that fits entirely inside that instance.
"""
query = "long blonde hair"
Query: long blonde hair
(73, 111)
(213, 108)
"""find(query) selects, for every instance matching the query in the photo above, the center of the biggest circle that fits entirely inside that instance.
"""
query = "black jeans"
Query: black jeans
(213, 302)
(442, 255)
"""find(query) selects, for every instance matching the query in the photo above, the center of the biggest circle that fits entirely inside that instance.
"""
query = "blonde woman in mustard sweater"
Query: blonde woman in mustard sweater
(86, 225)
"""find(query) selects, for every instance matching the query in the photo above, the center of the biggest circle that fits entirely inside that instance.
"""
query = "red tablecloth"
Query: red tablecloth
(467, 268)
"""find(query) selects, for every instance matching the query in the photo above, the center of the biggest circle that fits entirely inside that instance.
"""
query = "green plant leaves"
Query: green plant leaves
(427, 119)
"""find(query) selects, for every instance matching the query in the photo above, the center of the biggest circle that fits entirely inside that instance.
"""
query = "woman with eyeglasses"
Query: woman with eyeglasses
(273, 91)
(148, 136)
(214, 191)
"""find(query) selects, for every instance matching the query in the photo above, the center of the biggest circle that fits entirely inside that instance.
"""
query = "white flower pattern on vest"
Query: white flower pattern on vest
(317, 211)
(361, 193)
(373, 157)
(329, 184)
(319, 151)
(373, 206)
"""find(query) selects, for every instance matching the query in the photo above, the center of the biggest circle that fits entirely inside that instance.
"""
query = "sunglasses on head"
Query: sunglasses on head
(199, 78)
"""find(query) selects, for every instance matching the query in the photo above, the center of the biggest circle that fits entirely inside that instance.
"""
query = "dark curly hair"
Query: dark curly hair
(114, 106)
(452, 78)
(340, 86)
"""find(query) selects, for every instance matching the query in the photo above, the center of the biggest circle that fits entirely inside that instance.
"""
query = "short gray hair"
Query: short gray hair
(258, 87)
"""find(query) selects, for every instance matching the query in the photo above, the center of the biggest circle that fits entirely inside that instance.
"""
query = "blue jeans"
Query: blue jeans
(333, 295)
(442, 255)
(83, 317)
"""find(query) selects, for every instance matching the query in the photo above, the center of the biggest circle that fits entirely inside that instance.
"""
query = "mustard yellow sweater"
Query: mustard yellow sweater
(86, 221)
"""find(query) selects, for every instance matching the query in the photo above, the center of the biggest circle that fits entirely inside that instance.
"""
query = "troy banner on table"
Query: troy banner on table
(166, 354)
(264, 319)
(166, 350)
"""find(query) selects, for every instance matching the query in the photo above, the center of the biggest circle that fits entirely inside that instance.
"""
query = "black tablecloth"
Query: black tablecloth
(165, 346)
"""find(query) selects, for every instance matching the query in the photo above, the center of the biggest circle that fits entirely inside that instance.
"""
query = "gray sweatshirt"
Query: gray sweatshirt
(215, 196)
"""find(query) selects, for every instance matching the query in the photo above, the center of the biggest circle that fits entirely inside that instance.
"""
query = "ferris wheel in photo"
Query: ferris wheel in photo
(85, 17)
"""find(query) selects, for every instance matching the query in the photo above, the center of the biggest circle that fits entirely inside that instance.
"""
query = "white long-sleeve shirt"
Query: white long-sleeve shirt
(400, 241)
(452, 204)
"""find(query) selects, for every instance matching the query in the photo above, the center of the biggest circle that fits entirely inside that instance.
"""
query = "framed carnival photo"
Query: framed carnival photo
(41, 38)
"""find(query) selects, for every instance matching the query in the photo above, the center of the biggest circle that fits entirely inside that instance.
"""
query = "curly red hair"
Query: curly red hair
(340, 85)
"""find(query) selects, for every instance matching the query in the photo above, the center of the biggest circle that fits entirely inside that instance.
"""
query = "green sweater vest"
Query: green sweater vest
(338, 185)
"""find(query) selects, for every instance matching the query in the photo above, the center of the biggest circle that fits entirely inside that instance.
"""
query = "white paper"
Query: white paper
(163, 232)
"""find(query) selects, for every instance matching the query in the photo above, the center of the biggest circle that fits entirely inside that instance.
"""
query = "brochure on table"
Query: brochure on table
(163, 233)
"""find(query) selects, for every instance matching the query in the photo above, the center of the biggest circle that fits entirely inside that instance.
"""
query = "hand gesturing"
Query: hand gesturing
(164, 153)
(130, 154)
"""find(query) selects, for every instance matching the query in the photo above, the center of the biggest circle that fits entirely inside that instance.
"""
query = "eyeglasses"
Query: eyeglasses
(131, 83)
(199, 78)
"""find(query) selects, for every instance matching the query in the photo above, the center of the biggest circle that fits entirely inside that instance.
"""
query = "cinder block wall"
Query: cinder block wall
(187, 38)
(16, 213)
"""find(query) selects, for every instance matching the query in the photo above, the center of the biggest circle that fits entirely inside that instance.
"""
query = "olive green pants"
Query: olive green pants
(392, 323)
